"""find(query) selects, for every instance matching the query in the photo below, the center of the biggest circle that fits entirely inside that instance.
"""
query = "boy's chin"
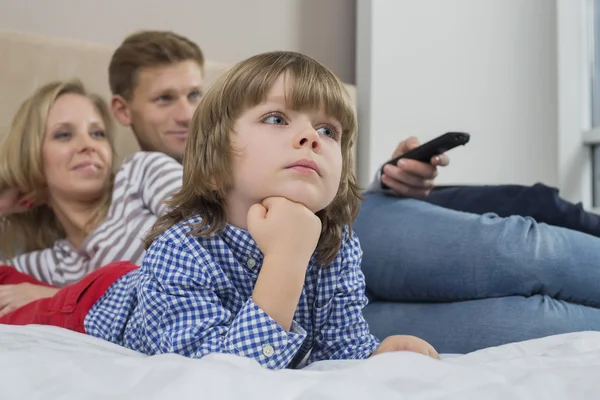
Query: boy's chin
(313, 204)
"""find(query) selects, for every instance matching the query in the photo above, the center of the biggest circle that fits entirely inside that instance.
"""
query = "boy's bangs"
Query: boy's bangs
(321, 90)
(309, 86)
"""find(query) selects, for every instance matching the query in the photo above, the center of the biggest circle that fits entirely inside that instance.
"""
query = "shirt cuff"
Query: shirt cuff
(375, 185)
(256, 335)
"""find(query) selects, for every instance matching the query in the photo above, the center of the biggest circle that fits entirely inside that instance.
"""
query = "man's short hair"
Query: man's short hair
(148, 49)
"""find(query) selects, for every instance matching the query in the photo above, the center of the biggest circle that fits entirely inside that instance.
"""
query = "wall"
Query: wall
(487, 67)
(227, 30)
(424, 67)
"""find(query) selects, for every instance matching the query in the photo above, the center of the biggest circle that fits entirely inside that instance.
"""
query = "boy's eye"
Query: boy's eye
(274, 119)
(327, 131)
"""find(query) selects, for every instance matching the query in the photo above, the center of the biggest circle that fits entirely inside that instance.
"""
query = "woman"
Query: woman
(77, 215)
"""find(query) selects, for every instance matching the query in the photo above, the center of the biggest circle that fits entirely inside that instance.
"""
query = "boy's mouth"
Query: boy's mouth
(306, 166)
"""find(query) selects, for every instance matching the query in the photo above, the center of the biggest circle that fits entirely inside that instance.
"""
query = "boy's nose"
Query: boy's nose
(309, 137)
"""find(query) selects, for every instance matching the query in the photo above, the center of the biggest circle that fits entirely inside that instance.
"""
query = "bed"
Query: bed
(41, 362)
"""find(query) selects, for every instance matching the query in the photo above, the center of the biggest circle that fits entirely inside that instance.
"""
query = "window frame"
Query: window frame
(591, 86)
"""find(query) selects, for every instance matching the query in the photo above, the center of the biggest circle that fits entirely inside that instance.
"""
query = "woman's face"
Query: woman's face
(76, 153)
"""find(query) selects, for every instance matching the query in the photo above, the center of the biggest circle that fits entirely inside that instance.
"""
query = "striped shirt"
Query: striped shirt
(142, 184)
(193, 296)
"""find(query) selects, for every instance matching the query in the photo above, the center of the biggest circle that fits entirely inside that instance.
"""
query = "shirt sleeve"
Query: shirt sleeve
(160, 177)
(345, 335)
(46, 266)
(375, 185)
(185, 309)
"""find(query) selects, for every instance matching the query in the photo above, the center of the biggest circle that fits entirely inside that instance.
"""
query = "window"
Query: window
(592, 136)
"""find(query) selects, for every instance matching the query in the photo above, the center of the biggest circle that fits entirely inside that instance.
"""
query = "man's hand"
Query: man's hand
(16, 296)
(283, 227)
(412, 178)
(406, 343)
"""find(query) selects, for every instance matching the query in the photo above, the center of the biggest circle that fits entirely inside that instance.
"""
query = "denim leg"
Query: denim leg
(539, 201)
(416, 251)
(467, 326)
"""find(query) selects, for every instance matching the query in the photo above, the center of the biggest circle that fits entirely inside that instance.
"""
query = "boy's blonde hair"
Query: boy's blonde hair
(21, 167)
(147, 49)
(207, 172)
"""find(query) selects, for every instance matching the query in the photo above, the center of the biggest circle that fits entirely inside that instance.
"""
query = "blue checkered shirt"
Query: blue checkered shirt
(193, 296)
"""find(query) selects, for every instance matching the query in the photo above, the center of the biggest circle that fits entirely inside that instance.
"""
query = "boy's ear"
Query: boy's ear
(120, 110)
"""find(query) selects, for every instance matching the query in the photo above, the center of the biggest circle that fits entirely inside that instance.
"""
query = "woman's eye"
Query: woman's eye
(61, 135)
(99, 134)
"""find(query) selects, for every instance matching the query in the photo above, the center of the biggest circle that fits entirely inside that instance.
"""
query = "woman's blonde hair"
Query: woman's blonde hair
(207, 174)
(21, 167)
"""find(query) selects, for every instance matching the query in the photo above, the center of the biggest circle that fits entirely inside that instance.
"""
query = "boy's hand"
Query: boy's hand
(282, 228)
(406, 343)
(287, 233)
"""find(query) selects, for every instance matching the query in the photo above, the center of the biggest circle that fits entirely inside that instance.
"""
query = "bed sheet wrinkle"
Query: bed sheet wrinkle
(46, 362)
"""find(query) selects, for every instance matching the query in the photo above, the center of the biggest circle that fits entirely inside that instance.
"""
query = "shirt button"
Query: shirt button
(251, 262)
(268, 350)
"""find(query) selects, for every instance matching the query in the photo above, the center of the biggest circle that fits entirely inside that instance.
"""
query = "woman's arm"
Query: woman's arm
(48, 265)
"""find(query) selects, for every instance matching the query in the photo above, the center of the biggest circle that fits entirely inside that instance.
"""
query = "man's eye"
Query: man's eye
(194, 96)
(165, 98)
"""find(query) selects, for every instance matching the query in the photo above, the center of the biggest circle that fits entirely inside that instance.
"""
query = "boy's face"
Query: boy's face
(161, 106)
(286, 153)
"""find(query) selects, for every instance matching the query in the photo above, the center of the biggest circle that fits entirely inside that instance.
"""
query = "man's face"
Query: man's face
(161, 106)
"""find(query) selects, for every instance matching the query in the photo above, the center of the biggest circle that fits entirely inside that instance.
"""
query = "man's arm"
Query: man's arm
(408, 178)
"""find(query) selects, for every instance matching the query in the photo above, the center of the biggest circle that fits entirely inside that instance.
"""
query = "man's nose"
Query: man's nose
(184, 111)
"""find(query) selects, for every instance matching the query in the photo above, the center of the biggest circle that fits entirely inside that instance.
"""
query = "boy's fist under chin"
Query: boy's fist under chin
(281, 226)
(406, 343)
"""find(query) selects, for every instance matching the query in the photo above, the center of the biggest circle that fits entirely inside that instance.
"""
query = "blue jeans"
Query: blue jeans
(539, 201)
(465, 281)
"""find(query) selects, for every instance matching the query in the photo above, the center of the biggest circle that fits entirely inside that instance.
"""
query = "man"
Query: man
(156, 79)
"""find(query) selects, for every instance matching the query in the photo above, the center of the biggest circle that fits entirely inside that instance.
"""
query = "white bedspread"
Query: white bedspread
(39, 362)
